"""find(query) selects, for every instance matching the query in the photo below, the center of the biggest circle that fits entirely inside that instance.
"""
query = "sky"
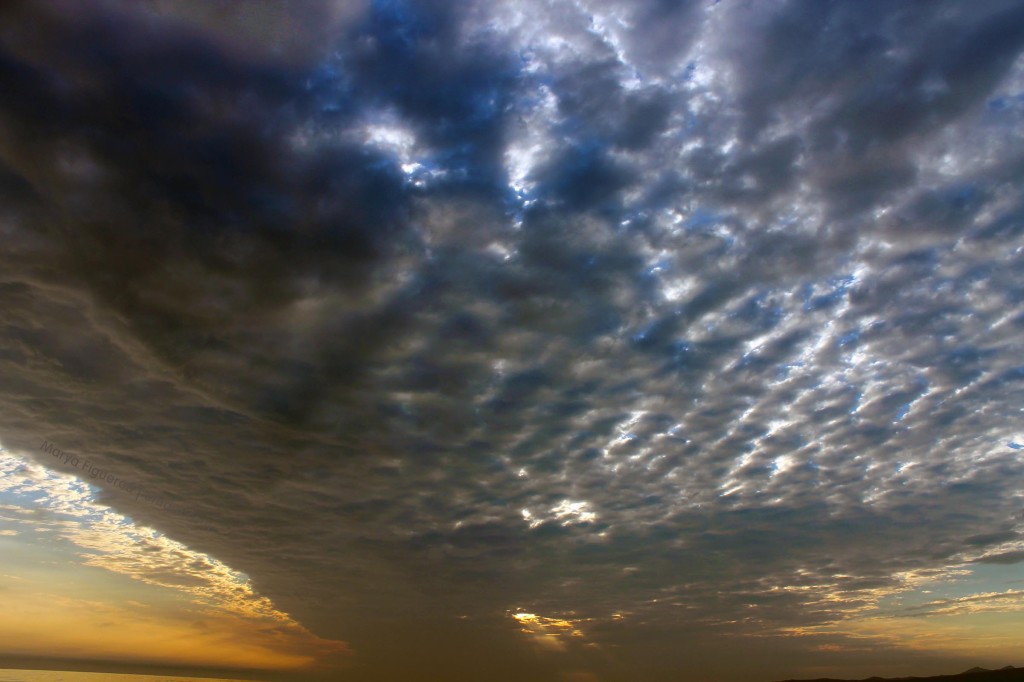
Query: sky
(564, 341)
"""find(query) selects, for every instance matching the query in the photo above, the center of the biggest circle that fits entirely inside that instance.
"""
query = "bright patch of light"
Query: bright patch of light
(568, 512)
(782, 464)
(678, 289)
(531, 141)
(547, 631)
(392, 138)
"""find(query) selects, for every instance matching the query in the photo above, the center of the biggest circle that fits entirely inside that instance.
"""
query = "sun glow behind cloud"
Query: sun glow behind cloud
(548, 632)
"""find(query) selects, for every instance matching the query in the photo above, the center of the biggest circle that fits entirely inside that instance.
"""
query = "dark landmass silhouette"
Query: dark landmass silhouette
(1007, 674)
(114, 667)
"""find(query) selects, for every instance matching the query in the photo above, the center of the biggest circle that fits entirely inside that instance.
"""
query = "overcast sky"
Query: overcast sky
(568, 341)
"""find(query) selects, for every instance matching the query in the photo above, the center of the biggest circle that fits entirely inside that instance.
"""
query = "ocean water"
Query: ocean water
(59, 676)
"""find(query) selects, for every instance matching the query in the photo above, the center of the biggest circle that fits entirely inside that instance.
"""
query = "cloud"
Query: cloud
(460, 310)
(204, 593)
(1010, 600)
(1014, 557)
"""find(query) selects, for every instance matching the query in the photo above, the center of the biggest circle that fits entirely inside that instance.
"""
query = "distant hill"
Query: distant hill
(1007, 674)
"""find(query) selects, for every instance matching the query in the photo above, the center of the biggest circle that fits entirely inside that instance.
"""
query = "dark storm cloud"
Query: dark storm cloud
(703, 315)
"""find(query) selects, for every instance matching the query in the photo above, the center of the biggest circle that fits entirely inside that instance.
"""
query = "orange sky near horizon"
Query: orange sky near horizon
(80, 581)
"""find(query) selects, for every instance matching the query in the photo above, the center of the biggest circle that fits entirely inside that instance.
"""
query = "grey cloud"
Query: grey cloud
(1002, 558)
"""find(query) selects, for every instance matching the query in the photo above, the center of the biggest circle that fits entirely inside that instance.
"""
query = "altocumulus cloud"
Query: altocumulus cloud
(686, 318)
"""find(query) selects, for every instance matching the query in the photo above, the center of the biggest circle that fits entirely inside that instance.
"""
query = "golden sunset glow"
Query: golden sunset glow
(85, 582)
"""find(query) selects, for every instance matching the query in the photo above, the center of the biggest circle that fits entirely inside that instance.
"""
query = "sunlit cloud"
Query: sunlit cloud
(547, 632)
(211, 611)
